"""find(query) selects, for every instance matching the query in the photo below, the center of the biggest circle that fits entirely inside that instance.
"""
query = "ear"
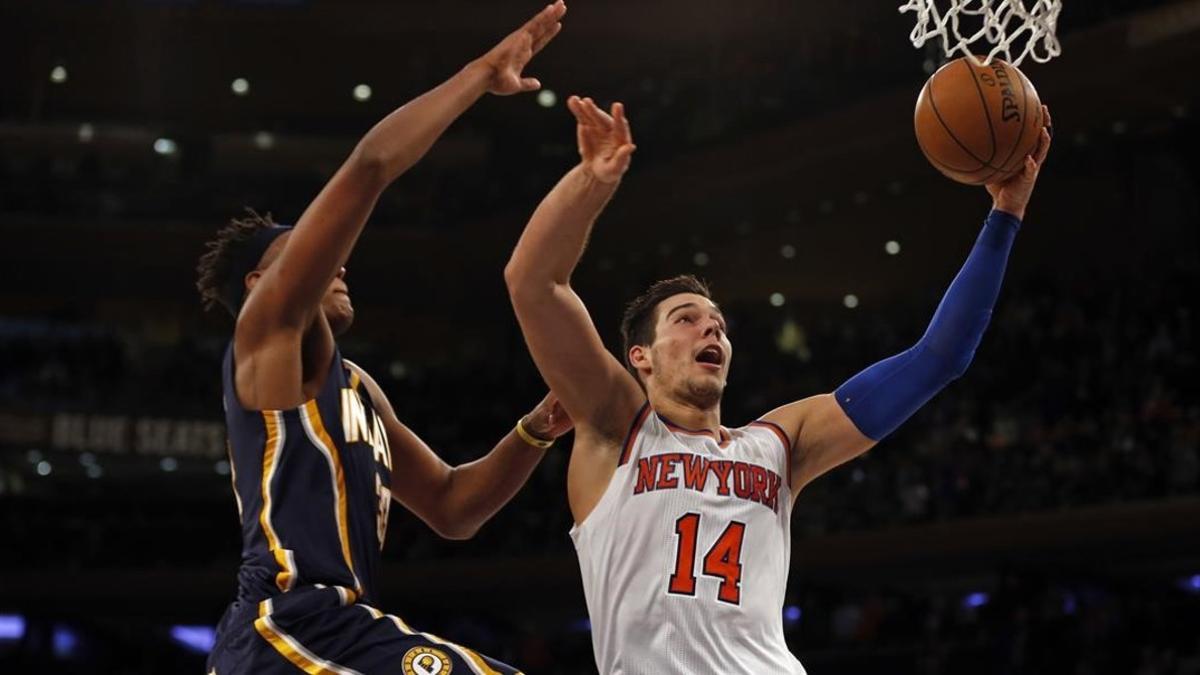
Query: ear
(639, 357)
(252, 279)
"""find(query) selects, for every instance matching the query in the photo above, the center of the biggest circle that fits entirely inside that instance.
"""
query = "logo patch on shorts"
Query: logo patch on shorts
(426, 661)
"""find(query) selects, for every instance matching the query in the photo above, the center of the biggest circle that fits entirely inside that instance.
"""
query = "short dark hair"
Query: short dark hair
(637, 325)
(216, 264)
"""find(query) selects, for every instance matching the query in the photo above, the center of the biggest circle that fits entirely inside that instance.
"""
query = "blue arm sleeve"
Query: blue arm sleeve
(882, 397)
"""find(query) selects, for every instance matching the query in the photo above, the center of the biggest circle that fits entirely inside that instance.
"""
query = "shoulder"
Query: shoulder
(378, 398)
(794, 417)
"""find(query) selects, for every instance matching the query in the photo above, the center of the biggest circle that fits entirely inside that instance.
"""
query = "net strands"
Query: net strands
(1014, 31)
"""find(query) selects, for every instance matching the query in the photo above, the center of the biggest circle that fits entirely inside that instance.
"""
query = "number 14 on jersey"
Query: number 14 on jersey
(723, 560)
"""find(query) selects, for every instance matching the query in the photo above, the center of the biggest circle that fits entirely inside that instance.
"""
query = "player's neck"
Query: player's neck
(687, 415)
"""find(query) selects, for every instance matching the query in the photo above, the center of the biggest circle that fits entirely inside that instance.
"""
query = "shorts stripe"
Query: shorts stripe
(473, 660)
(292, 650)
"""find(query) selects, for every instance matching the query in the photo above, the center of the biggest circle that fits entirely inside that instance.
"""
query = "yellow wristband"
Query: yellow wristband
(530, 438)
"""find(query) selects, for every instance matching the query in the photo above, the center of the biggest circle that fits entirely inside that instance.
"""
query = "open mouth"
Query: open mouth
(711, 356)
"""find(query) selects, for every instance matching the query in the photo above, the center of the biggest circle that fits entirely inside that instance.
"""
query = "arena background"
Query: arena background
(1042, 515)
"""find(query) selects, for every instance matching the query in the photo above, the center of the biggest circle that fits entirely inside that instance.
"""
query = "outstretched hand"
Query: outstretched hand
(549, 419)
(605, 141)
(1012, 195)
(506, 60)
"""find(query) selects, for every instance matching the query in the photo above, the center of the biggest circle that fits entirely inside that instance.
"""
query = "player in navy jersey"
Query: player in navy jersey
(316, 449)
(681, 524)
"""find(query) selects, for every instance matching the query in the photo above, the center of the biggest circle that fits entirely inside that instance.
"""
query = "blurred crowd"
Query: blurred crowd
(1081, 393)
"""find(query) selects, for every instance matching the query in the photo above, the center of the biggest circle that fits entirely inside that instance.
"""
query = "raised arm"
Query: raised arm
(831, 429)
(600, 395)
(289, 293)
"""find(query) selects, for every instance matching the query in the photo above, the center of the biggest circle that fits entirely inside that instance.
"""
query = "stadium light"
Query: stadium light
(198, 639)
(975, 600)
(12, 626)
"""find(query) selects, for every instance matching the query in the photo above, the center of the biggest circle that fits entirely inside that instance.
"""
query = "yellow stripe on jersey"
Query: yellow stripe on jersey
(311, 417)
(291, 649)
(274, 447)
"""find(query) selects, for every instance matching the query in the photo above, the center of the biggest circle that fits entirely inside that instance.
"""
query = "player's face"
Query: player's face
(691, 352)
(336, 304)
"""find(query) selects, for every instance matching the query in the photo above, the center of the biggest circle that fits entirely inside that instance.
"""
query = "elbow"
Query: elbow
(523, 283)
(513, 275)
(958, 367)
(369, 164)
(458, 533)
(950, 367)
(454, 528)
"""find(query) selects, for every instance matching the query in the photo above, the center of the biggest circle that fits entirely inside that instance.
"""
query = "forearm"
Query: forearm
(556, 235)
(965, 310)
(884, 395)
(477, 490)
(399, 140)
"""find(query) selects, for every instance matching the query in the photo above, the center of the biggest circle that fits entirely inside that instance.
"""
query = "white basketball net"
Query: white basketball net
(1013, 30)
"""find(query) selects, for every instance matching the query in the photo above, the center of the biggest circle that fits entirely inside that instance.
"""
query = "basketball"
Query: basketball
(977, 123)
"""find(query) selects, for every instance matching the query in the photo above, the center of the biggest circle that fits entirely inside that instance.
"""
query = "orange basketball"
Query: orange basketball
(977, 123)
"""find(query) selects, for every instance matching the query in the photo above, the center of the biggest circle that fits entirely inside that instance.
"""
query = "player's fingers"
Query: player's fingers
(604, 118)
(542, 40)
(549, 14)
(530, 84)
(1043, 148)
(623, 153)
(625, 134)
(1031, 168)
(542, 25)
(575, 105)
(579, 110)
(595, 115)
(1048, 122)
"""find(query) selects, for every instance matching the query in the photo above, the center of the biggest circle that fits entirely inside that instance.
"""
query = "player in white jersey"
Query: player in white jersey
(682, 525)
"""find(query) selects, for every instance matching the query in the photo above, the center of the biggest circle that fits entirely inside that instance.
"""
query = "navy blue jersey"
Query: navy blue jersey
(313, 488)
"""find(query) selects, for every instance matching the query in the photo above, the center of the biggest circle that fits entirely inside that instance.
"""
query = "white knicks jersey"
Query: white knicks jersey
(685, 557)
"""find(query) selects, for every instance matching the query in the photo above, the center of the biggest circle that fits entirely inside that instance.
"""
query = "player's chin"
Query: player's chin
(706, 391)
(340, 318)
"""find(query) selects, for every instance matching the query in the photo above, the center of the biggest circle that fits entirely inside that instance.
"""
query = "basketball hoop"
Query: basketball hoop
(1014, 30)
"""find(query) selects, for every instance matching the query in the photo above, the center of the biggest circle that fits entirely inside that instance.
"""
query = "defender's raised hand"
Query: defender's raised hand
(605, 141)
(506, 60)
(548, 420)
(1012, 196)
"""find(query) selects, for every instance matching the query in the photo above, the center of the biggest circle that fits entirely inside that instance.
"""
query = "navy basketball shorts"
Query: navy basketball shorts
(320, 629)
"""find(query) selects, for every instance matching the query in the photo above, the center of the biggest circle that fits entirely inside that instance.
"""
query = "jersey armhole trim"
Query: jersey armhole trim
(638, 420)
(783, 438)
